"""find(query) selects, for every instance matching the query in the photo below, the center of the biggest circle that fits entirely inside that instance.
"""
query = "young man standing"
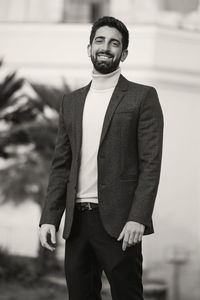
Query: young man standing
(105, 173)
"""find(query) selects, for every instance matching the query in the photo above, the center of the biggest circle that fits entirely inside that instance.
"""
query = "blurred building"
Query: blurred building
(46, 41)
(86, 11)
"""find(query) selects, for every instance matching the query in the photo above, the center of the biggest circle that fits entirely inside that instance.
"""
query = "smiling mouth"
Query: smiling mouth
(104, 56)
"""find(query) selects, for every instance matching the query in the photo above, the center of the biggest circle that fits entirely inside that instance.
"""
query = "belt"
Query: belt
(82, 206)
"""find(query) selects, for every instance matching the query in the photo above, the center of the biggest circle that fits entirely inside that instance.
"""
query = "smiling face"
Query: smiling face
(106, 50)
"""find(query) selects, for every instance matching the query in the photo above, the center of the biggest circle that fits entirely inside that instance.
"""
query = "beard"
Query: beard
(105, 67)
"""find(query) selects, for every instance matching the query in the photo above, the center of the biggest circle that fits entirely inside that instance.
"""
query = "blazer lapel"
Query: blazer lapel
(116, 98)
(78, 116)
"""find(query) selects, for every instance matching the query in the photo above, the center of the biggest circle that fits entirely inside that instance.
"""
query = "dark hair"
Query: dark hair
(111, 22)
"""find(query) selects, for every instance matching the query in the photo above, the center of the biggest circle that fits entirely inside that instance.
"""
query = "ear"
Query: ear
(89, 50)
(124, 55)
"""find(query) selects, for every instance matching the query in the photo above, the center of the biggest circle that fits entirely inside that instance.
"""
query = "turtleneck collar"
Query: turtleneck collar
(105, 81)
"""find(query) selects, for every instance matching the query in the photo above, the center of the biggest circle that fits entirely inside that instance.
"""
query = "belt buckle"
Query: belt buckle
(85, 206)
(88, 205)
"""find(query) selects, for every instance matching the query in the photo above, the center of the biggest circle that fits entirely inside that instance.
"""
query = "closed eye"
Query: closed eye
(115, 43)
(98, 40)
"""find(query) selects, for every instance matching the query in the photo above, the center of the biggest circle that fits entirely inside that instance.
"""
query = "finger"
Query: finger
(125, 241)
(136, 238)
(121, 235)
(40, 237)
(47, 246)
(43, 238)
(131, 239)
(53, 235)
(44, 241)
(140, 237)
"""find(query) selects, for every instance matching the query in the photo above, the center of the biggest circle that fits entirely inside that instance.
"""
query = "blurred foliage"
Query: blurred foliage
(20, 279)
(28, 127)
(27, 269)
(28, 141)
(8, 87)
(26, 178)
(16, 268)
(40, 134)
(20, 113)
(50, 96)
(40, 291)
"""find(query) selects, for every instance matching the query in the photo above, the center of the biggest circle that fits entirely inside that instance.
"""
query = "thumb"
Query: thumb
(53, 235)
(121, 235)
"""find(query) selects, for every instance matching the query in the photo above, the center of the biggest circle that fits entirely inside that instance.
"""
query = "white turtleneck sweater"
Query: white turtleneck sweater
(95, 107)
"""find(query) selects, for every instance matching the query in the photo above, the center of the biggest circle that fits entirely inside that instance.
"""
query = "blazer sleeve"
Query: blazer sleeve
(150, 139)
(55, 201)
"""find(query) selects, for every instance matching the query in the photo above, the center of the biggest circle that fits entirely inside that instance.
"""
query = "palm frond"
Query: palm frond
(8, 87)
(49, 95)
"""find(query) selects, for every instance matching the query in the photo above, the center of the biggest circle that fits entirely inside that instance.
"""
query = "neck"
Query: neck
(105, 81)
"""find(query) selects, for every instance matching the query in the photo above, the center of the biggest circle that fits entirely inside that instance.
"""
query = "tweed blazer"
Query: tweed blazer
(128, 160)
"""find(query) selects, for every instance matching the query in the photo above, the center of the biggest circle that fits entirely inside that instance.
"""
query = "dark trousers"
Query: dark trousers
(89, 249)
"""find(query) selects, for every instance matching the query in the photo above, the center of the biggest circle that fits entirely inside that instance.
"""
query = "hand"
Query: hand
(44, 231)
(131, 234)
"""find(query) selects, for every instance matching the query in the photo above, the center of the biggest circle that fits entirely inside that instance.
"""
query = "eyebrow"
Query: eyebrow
(102, 37)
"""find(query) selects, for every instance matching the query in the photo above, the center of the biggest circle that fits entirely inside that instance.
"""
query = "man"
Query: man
(105, 173)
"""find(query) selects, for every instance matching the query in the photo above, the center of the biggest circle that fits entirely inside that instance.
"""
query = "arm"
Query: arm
(56, 192)
(150, 137)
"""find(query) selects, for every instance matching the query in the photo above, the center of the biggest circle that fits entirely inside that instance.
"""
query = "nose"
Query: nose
(105, 46)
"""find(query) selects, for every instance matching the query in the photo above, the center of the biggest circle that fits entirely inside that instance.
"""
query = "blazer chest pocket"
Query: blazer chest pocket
(126, 110)
(125, 115)
(125, 118)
